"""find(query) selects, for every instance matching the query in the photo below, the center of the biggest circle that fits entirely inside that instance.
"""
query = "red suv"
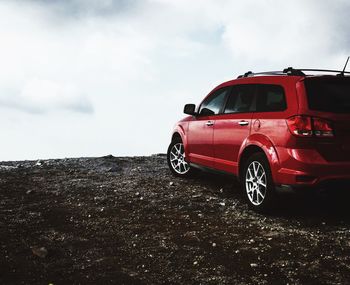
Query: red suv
(272, 130)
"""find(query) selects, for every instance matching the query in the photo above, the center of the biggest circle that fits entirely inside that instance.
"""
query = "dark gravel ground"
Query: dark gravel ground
(128, 221)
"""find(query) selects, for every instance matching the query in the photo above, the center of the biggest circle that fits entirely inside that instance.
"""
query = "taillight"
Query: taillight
(300, 126)
(305, 126)
(322, 128)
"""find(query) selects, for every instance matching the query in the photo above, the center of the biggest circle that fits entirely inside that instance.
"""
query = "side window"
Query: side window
(271, 98)
(214, 103)
(241, 99)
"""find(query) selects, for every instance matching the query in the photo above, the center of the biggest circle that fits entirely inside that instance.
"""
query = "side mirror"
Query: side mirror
(190, 109)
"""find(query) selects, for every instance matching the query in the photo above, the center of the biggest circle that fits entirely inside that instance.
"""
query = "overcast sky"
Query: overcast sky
(90, 78)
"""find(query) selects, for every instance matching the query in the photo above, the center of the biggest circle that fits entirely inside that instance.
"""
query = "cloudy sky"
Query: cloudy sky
(97, 77)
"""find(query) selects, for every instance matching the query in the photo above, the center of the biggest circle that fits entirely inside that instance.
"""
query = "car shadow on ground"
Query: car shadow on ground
(331, 205)
(317, 205)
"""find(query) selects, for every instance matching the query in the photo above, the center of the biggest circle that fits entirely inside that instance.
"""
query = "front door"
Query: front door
(201, 129)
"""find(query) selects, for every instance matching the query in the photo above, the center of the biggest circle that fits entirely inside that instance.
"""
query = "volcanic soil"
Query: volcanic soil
(127, 220)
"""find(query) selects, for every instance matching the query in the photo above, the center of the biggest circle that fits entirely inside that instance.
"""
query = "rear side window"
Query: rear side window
(214, 103)
(270, 98)
(328, 94)
(241, 99)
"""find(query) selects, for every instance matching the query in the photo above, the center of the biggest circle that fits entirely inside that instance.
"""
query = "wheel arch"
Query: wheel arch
(255, 144)
(176, 135)
(179, 132)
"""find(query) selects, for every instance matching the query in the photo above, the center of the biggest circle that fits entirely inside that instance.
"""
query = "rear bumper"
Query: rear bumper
(306, 167)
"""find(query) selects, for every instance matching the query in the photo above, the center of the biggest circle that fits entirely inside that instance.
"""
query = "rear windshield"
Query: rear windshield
(328, 94)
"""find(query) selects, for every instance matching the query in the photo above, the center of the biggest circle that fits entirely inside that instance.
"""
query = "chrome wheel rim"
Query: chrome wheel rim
(177, 159)
(255, 183)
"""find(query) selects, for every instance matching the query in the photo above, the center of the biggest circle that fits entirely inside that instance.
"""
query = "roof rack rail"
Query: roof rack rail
(250, 73)
(292, 72)
(340, 72)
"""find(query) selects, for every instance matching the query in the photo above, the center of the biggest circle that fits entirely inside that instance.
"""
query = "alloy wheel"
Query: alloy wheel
(256, 183)
(177, 159)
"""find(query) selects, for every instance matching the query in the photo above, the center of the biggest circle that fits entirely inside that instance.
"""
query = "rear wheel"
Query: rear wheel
(177, 159)
(258, 183)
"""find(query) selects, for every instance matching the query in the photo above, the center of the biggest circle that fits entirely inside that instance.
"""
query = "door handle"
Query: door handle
(243, 123)
(209, 123)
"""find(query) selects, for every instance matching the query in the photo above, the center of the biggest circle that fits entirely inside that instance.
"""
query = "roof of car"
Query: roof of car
(272, 77)
(290, 71)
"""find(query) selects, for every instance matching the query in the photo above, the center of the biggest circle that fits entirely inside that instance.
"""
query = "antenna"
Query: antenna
(342, 73)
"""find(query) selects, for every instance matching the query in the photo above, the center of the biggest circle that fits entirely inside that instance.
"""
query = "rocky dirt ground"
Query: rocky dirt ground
(129, 221)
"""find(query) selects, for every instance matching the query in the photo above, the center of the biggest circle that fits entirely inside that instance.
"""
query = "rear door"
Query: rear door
(201, 129)
(232, 127)
(269, 120)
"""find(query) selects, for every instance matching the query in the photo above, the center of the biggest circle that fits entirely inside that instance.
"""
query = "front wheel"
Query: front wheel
(177, 159)
(258, 183)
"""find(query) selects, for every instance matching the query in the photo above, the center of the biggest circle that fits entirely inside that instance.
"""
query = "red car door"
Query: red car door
(232, 127)
(201, 129)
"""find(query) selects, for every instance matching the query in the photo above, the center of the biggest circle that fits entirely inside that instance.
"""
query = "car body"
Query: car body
(301, 131)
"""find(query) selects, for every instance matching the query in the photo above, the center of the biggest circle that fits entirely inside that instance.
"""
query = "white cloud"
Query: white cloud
(135, 63)
(272, 33)
(63, 64)
(40, 96)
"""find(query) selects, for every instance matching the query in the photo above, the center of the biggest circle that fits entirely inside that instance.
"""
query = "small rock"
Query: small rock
(7, 167)
(195, 262)
(213, 244)
(38, 163)
(222, 204)
(171, 183)
(39, 251)
(113, 169)
(109, 156)
(253, 265)
(29, 192)
(191, 236)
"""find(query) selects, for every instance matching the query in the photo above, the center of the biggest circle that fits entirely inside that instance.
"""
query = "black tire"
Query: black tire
(253, 187)
(180, 171)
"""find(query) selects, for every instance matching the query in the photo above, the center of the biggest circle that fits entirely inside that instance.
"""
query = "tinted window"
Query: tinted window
(241, 99)
(214, 103)
(270, 98)
(328, 94)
